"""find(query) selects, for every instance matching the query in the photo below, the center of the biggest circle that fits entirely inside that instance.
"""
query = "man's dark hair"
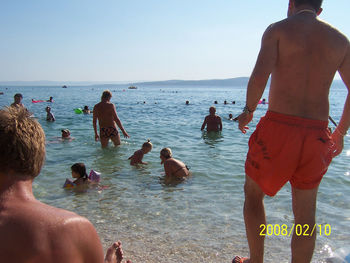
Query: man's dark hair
(316, 4)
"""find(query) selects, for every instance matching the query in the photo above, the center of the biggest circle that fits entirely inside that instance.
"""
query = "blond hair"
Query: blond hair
(22, 142)
(166, 153)
(106, 94)
(147, 144)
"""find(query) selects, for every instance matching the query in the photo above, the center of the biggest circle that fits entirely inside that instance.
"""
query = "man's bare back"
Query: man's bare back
(308, 52)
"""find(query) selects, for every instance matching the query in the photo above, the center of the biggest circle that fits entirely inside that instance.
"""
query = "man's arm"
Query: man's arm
(94, 122)
(344, 123)
(204, 123)
(265, 63)
(119, 123)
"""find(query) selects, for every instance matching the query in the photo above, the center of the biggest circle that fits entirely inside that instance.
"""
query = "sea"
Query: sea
(200, 219)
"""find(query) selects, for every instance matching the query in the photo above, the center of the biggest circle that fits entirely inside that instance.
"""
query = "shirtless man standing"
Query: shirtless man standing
(212, 121)
(32, 231)
(292, 142)
(107, 117)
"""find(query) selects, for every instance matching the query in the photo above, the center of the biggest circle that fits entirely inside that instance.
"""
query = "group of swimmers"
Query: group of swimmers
(105, 113)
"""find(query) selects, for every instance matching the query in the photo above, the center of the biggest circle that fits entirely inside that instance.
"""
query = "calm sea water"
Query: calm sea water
(199, 220)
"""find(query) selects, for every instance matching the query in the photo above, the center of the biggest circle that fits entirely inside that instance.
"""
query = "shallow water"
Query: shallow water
(199, 220)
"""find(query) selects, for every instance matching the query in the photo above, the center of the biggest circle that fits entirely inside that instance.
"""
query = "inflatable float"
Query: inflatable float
(94, 177)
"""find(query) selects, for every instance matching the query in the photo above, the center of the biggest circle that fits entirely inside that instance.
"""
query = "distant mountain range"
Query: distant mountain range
(241, 81)
(210, 82)
(232, 82)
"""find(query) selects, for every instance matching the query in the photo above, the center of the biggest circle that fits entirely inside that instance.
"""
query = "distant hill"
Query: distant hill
(241, 81)
(232, 82)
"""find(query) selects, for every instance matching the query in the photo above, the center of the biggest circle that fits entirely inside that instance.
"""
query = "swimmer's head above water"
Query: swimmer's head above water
(65, 133)
(147, 146)
(165, 154)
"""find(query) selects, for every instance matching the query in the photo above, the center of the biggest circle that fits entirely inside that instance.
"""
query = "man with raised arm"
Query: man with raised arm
(292, 142)
(32, 231)
(107, 117)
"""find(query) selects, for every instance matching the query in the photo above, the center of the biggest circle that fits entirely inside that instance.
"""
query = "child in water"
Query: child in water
(79, 173)
(136, 158)
(49, 116)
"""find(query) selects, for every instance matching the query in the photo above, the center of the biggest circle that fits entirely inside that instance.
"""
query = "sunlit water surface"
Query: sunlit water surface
(199, 220)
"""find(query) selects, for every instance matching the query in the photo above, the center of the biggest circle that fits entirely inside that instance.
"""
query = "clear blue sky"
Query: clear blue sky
(132, 40)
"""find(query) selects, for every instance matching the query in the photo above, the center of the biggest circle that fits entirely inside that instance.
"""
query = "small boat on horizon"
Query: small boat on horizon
(132, 87)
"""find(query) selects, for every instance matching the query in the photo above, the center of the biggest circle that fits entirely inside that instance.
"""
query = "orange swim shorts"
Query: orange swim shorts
(288, 148)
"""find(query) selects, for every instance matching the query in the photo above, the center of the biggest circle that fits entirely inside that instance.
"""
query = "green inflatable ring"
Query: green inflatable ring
(78, 111)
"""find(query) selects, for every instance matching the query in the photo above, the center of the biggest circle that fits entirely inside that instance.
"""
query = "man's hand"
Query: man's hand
(97, 137)
(243, 121)
(338, 145)
(126, 135)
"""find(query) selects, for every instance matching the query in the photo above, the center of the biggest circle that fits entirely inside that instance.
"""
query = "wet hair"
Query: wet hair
(316, 4)
(18, 95)
(22, 143)
(86, 107)
(106, 94)
(66, 131)
(80, 169)
(212, 108)
(48, 108)
(147, 144)
(166, 153)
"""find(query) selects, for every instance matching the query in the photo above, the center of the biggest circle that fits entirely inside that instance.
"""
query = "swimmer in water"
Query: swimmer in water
(86, 110)
(49, 116)
(173, 168)
(212, 121)
(18, 101)
(66, 135)
(79, 173)
(136, 158)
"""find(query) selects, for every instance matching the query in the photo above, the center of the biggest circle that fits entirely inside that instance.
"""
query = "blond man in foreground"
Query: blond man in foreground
(32, 231)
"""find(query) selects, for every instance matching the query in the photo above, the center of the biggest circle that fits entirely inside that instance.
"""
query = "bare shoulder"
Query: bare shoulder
(97, 106)
(34, 228)
(337, 34)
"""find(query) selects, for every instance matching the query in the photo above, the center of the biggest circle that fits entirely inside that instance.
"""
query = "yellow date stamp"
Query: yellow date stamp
(298, 229)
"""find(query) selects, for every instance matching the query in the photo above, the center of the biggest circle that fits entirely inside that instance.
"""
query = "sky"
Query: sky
(139, 40)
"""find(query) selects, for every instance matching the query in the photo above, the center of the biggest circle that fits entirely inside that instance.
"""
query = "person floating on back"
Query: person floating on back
(136, 158)
(292, 142)
(212, 121)
(107, 117)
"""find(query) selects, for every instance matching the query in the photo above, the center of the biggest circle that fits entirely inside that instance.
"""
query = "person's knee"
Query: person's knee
(252, 190)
